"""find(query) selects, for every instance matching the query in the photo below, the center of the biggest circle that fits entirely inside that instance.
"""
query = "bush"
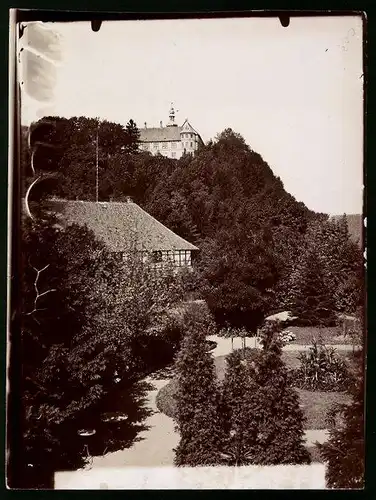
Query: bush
(321, 369)
(197, 397)
(287, 336)
(344, 452)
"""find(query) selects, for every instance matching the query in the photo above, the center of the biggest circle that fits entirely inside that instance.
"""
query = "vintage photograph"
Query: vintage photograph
(187, 297)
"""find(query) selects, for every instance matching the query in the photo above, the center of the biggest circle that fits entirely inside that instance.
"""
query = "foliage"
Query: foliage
(321, 369)
(344, 451)
(254, 237)
(328, 249)
(310, 299)
(287, 336)
(238, 409)
(61, 271)
(86, 319)
(197, 400)
(280, 420)
(315, 405)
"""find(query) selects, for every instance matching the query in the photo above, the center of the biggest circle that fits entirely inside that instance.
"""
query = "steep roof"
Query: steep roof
(120, 226)
(160, 134)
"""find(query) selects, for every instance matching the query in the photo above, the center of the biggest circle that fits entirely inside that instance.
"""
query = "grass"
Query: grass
(315, 404)
(329, 335)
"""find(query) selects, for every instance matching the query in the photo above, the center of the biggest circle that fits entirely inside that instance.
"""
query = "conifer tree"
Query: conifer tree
(238, 410)
(311, 300)
(197, 400)
(279, 419)
(132, 137)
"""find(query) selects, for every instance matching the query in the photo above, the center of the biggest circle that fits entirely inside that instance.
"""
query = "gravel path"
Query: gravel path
(224, 345)
(155, 445)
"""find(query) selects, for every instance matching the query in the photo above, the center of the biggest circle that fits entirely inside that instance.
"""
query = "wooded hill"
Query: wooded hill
(252, 234)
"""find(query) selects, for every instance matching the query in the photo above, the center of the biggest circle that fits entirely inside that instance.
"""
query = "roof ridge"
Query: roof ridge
(165, 227)
(109, 217)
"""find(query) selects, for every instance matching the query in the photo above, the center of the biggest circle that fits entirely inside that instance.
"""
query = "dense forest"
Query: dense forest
(256, 241)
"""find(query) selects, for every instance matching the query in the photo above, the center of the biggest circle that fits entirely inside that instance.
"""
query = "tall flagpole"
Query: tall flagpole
(96, 164)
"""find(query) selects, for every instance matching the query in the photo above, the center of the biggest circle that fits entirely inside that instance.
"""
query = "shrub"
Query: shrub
(280, 420)
(239, 418)
(321, 369)
(287, 336)
(344, 451)
(197, 398)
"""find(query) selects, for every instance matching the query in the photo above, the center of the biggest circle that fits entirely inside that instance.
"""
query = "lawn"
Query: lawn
(329, 335)
(315, 405)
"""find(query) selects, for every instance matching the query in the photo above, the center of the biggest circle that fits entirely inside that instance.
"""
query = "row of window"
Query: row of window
(187, 136)
(178, 257)
(166, 145)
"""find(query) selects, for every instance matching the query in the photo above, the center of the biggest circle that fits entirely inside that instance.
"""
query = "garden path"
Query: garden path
(224, 347)
(155, 445)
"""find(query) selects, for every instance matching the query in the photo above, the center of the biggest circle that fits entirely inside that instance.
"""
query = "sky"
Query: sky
(295, 94)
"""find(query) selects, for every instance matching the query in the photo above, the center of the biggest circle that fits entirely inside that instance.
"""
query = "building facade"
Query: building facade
(127, 231)
(172, 140)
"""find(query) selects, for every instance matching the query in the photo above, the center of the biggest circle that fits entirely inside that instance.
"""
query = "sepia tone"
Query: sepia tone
(178, 317)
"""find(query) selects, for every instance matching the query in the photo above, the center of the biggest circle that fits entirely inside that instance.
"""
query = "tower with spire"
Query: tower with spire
(171, 116)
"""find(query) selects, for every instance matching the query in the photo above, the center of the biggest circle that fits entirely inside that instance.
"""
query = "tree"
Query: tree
(86, 319)
(278, 417)
(341, 262)
(345, 449)
(240, 427)
(311, 300)
(198, 417)
(132, 137)
(62, 272)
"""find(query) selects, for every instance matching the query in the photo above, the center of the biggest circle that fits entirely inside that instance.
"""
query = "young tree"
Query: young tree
(278, 417)
(240, 427)
(198, 417)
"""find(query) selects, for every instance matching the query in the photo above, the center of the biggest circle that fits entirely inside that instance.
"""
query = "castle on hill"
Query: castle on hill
(172, 140)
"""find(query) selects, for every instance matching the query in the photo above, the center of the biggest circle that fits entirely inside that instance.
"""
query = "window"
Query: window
(155, 145)
(173, 145)
(157, 256)
(164, 145)
(191, 144)
(173, 154)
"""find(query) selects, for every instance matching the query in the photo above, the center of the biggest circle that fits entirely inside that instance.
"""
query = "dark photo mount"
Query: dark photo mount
(96, 163)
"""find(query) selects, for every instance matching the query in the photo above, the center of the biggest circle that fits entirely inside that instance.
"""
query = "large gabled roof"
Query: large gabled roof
(169, 133)
(160, 134)
(120, 226)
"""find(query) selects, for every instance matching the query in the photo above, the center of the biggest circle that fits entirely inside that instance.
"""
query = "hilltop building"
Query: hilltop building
(172, 140)
(125, 228)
